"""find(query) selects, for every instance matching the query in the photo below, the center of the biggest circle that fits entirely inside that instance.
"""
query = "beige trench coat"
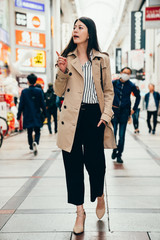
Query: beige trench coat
(71, 84)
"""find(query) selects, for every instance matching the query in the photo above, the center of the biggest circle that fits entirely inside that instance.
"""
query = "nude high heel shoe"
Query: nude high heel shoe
(100, 209)
(79, 227)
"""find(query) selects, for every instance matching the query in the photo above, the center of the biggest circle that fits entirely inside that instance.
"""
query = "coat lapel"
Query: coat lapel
(76, 64)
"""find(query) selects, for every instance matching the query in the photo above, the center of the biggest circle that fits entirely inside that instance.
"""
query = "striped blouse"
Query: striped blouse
(89, 94)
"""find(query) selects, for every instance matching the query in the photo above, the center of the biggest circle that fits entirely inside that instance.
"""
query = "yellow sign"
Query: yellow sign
(40, 59)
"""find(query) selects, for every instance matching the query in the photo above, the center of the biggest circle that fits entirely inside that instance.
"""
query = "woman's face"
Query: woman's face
(80, 33)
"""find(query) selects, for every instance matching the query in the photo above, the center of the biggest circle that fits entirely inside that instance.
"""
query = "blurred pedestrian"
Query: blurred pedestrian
(135, 117)
(42, 113)
(31, 103)
(51, 106)
(123, 88)
(152, 99)
(85, 119)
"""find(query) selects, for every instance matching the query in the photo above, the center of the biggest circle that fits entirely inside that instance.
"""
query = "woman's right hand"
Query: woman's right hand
(62, 62)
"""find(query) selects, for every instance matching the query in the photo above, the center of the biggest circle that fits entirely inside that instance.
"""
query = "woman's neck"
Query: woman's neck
(82, 52)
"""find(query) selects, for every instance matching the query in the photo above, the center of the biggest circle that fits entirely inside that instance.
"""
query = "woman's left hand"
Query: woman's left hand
(101, 122)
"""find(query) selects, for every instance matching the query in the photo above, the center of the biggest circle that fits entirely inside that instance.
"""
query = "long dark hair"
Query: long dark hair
(92, 41)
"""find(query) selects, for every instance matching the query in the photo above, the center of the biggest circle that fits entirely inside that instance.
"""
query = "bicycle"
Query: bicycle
(3, 129)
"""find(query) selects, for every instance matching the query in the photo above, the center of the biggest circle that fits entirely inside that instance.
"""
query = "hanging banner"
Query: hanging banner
(30, 39)
(137, 32)
(118, 60)
(137, 59)
(152, 17)
(30, 5)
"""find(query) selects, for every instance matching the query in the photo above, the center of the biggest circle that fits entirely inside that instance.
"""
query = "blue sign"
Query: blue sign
(30, 5)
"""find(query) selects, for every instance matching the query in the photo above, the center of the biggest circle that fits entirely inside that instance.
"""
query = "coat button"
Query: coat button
(99, 58)
(70, 74)
(62, 123)
(68, 90)
(65, 106)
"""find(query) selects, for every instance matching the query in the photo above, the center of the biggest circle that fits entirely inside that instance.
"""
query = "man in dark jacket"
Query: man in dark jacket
(123, 88)
(31, 105)
(152, 103)
(51, 107)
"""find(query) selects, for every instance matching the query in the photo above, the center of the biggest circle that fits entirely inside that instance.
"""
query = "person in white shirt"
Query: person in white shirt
(152, 103)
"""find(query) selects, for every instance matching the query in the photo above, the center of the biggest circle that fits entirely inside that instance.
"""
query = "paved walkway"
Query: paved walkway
(33, 193)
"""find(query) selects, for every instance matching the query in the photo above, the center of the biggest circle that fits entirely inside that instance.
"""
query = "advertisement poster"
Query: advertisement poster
(30, 39)
(35, 64)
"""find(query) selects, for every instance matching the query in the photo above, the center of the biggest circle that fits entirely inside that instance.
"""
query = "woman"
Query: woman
(84, 79)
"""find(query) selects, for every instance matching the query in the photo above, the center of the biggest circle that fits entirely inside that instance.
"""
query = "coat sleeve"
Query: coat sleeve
(60, 83)
(107, 91)
(138, 97)
(21, 106)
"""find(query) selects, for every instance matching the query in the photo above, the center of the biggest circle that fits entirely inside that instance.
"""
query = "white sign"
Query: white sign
(35, 21)
(137, 59)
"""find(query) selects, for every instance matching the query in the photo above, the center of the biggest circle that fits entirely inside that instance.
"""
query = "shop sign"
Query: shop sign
(4, 49)
(118, 60)
(30, 20)
(152, 17)
(137, 59)
(22, 81)
(30, 5)
(137, 32)
(21, 19)
(35, 21)
(30, 39)
(40, 81)
(4, 36)
(38, 61)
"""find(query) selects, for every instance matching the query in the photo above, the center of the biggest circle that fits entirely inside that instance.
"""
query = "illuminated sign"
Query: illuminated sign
(137, 32)
(21, 19)
(4, 49)
(35, 21)
(118, 60)
(30, 5)
(30, 20)
(31, 39)
(38, 61)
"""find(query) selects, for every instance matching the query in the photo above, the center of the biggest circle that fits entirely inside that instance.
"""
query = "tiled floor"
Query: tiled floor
(33, 196)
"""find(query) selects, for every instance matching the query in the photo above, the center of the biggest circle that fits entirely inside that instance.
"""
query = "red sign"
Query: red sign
(31, 39)
(152, 14)
(36, 22)
(4, 49)
(40, 81)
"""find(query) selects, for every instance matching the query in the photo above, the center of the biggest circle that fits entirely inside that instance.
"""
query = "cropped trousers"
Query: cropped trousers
(88, 151)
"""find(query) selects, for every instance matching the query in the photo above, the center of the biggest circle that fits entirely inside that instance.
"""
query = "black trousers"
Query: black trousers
(30, 136)
(149, 115)
(88, 151)
(52, 112)
(135, 117)
(120, 121)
